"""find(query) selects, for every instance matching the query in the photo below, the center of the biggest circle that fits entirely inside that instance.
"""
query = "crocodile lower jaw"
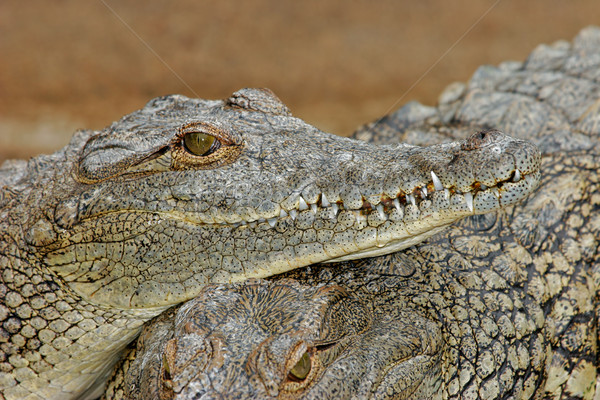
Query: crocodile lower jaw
(390, 247)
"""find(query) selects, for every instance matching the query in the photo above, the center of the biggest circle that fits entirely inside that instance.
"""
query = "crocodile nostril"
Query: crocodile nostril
(481, 138)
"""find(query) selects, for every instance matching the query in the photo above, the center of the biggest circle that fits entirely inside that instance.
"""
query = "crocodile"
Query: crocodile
(499, 306)
(125, 222)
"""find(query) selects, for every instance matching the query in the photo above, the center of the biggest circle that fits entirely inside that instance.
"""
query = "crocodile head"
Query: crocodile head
(285, 340)
(186, 192)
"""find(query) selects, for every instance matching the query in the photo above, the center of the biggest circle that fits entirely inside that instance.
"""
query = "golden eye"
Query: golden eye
(165, 364)
(200, 144)
(302, 367)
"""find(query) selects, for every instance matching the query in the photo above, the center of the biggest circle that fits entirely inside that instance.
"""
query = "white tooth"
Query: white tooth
(282, 213)
(411, 198)
(243, 222)
(482, 187)
(313, 208)
(302, 204)
(424, 190)
(334, 209)
(272, 222)
(437, 184)
(397, 204)
(360, 217)
(381, 212)
(517, 176)
(324, 201)
(261, 220)
(495, 191)
(293, 214)
(469, 200)
(447, 193)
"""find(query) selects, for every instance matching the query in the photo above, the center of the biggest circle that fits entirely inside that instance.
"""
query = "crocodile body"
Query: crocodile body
(122, 223)
(499, 306)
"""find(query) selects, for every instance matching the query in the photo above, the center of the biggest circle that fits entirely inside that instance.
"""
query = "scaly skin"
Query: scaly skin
(122, 223)
(499, 306)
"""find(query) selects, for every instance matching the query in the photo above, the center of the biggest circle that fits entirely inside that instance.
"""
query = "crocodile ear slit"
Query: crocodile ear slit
(260, 100)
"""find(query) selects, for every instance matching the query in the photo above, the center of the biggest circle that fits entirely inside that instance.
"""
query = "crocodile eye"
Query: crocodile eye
(200, 144)
(302, 368)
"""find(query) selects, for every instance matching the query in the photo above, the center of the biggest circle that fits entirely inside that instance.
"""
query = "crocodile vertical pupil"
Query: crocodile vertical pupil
(199, 144)
(302, 367)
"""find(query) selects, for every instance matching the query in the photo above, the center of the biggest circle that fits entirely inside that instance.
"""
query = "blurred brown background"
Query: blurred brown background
(71, 64)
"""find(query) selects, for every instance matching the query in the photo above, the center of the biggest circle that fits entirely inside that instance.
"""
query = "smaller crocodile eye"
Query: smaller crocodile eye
(302, 367)
(200, 144)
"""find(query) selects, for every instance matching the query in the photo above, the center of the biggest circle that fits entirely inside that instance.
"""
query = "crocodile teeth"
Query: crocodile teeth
(282, 213)
(334, 209)
(483, 187)
(469, 200)
(324, 201)
(411, 198)
(293, 214)
(396, 203)
(495, 191)
(313, 208)
(424, 191)
(302, 204)
(437, 184)
(381, 212)
(517, 176)
(272, 222)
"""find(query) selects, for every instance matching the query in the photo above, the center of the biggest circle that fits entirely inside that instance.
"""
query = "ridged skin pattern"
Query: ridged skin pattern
(499, 306)
(125, 222)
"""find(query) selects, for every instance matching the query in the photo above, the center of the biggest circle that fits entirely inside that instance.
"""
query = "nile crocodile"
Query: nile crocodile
(122, 223)
(499, 306)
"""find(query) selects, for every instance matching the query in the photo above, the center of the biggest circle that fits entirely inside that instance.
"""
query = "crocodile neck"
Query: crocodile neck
(54, 339)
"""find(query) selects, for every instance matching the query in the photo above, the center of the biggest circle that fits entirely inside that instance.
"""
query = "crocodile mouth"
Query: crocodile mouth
(409, 206)
(419, 203)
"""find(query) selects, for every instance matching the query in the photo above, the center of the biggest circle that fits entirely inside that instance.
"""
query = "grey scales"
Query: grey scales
(122, 223)
(499, 306)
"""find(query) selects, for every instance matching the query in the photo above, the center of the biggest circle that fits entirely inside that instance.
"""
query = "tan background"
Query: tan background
(68, 64)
